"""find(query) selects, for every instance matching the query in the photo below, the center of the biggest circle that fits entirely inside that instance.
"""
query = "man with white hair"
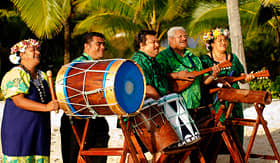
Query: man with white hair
(179, 64)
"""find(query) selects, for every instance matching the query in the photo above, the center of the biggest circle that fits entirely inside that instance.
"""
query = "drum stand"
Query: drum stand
(255, 124)
(218, 127)
(130, 145)
(185, 151)
(230, 138)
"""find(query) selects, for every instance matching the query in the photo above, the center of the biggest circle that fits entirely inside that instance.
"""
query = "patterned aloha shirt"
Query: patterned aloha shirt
(17, 81)
(83, 57)
(153, 72)
(173, 62)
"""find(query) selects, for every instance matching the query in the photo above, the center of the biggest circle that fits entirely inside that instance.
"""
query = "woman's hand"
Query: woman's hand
(28, 104)
(216, 70)
(52, 105)
(249, 77)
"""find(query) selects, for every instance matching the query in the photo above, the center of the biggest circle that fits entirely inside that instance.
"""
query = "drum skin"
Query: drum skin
(99, 82)
(154, 130)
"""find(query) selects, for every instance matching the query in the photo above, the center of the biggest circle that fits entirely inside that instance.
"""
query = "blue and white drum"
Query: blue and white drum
(100, 88)
(180, 119)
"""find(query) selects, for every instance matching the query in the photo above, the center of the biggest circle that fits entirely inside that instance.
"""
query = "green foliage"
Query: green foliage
(267, 85)
(45, 17)
(261, 51)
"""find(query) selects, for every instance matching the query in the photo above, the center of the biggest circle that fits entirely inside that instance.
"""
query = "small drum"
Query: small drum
(153, 128)
(178, 116)
(100, 87)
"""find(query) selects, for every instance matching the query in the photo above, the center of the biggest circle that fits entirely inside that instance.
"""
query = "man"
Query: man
(179, 64)
(97, 135)
(146, 47)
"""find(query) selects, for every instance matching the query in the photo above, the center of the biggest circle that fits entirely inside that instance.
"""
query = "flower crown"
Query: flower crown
(20, 47)
(211, 35)
(215, 33)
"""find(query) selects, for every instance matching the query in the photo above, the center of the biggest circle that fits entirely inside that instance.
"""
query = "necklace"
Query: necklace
(220, 59)
(39, 86)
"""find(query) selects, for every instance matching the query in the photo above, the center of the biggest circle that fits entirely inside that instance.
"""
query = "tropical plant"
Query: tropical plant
(259, 30)
(123, 18)
(46, 18)
(118, 18)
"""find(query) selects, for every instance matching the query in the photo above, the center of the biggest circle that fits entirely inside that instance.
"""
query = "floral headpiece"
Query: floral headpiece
(211, 35)
(20, 47)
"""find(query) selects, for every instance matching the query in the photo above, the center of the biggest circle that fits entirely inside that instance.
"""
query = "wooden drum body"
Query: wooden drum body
(100, 87)
(153, 128)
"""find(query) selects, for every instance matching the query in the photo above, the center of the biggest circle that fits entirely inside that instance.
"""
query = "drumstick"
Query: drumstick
(49, 75)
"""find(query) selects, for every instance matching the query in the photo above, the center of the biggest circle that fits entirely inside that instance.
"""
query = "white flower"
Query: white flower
(14, 58)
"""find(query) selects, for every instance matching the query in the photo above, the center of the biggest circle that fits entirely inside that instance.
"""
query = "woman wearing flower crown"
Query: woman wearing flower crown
(26, 118)
(217, 43)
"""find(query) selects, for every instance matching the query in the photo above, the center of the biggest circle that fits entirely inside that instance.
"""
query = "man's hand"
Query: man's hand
(152, 92)
(184, 75)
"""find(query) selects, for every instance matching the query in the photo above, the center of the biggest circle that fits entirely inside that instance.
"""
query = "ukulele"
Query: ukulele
(231, 79)
(179, 85)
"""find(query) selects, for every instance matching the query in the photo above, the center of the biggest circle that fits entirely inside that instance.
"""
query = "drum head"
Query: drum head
(129, 87)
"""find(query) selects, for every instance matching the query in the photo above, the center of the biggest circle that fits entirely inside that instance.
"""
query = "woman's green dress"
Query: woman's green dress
(235, 70)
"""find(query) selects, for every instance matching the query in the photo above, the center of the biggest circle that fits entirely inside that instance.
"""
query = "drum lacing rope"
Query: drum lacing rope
(180, 102)
(85, 95)
(146, 120)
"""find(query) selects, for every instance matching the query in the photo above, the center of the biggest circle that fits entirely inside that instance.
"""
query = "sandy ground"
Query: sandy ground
(261, 145)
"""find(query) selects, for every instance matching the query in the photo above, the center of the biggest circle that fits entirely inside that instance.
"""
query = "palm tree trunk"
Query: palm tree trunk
(235, 33)
(66, 42)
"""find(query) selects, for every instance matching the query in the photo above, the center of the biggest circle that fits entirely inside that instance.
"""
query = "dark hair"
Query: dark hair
(141, 38)
(88, 36)
(209, 42)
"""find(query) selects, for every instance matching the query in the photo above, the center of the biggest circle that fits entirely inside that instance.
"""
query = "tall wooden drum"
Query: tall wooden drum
(100, 87)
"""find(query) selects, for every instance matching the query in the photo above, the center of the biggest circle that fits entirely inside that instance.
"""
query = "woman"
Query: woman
(217, 43)
(26, 118)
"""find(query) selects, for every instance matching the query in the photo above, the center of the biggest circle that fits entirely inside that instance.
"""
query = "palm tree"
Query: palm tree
(46, 18)
(235, 31)
(113, 18)
(127, 16)
(236, 34)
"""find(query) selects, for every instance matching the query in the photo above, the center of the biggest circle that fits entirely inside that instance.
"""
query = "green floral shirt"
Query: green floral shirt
(153, 72)
(17, 81)
(83, 57)
(173, 62)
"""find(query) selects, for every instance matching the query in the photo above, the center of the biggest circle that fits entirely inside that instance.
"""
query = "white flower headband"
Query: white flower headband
(20, 47)
(211, 35)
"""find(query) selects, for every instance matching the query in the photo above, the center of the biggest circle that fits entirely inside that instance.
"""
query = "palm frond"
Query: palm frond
(108, 23)
(117, 6)
(7, 13)
(270, 2)
(44, 17)
(208, 16)
(174, 8)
